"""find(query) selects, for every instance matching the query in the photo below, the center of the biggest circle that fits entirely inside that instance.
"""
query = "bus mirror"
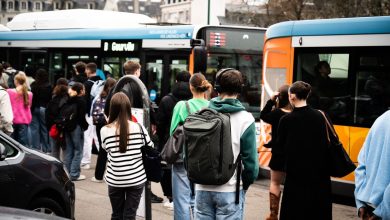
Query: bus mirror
(199, 56)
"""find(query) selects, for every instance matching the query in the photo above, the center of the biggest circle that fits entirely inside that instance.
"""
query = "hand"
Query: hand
(363, 213)
(154, 129)
(275, 96)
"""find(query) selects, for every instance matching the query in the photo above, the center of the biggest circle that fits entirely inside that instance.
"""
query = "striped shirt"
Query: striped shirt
(124, 169)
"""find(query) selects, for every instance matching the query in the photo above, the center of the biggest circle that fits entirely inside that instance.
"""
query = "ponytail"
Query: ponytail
(21, 79)
(25, 94)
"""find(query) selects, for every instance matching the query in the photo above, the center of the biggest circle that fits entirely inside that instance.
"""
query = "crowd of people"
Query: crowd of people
(65, 119)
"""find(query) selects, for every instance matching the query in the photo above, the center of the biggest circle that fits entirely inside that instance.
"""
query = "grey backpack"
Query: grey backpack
(208, 153)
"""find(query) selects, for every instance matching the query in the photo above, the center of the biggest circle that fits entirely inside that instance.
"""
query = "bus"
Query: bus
(358, 52)
(56, 40)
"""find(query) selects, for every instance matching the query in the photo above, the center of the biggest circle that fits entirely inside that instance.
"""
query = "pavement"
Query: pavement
(92, 201)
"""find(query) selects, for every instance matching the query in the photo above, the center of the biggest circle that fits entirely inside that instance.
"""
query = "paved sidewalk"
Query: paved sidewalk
(92, 201)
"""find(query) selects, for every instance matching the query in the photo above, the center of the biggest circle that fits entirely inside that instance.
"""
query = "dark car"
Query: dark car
(7, 213)
(33, 180)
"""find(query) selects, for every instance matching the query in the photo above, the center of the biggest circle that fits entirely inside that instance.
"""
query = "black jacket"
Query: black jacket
(80, 102)
(41, 95)
(180, 91)
(54, 107)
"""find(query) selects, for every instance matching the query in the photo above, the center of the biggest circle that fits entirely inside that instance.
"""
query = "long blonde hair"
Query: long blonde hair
(21, 79)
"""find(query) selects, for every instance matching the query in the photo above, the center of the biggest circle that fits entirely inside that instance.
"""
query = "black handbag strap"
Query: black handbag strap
(330, 127)
(142, 132)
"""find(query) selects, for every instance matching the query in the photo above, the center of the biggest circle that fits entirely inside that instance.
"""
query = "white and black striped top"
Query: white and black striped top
(124, 169)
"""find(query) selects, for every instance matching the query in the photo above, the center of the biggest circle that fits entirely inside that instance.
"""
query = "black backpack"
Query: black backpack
(209, 158)
(68, 117)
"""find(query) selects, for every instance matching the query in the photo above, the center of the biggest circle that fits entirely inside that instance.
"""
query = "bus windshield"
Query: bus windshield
(241, 49)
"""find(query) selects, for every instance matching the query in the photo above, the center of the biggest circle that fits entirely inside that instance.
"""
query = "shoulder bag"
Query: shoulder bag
(340, 162)
(151, 159)
(172, 149)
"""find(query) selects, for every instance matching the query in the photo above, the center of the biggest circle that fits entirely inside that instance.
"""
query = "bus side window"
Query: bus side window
(372, 96)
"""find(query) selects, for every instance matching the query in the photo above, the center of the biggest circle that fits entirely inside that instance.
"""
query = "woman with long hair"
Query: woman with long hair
(59, 98)
(73, 115)
(21, 100)
(273, 111)
(125, 175)
(183, 198)
(302, 136)
(99, 120)
(41, 90)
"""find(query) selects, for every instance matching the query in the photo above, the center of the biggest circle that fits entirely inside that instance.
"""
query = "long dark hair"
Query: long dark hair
(120, 112)
(110, 82)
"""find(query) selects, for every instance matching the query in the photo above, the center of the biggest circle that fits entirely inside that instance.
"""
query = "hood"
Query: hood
(181, 90)
(226, 105)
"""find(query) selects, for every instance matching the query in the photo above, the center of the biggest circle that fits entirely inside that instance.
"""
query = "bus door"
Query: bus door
(159, 71)
(34, 58)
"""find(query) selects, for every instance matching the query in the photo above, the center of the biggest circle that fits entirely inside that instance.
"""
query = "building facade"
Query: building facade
(10, 8)
(198, 12)
(146, 7)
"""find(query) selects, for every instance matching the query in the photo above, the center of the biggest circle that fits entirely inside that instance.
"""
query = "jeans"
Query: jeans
(218, 205)
(74, 151)
(40, 135)
(20, 134)
(183, 201)
(125, 201)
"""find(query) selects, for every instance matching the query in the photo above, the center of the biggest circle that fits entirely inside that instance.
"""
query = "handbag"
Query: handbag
(340, 162)
(151, 159)
(172, 149)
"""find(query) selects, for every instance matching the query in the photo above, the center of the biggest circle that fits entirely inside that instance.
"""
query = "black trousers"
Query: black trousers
(125, 201)
(102, 156)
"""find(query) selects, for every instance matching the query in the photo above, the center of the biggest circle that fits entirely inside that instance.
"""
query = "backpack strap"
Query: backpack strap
(188, 107)
(238, 179)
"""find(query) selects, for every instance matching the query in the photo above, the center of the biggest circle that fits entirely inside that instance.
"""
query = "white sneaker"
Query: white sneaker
(93, 179)
(81, 177)
(168, 205)
(85, 166)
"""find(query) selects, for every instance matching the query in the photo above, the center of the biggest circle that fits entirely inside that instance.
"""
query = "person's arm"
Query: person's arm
(360, 174)
(281, 138)
(6, 109)
(249, 156)
(149, 142)
(265, 114)
(383, 209)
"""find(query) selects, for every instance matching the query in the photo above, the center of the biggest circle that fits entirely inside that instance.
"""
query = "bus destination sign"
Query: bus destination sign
(120, 46)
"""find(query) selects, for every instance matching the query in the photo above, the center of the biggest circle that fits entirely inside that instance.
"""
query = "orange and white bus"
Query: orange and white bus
(358, 52)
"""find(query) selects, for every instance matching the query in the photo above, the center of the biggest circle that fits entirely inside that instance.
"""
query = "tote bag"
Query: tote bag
(152, 161)
(340, 163)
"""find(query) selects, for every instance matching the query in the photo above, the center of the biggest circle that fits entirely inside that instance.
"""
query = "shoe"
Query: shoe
(85, 166)
(168, 205)
(155, 199)
(93, 179)
(81, 177)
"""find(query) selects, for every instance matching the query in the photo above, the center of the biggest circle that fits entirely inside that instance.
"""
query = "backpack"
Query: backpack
(97, 88)
(208, 153)
(173, 147)
(98, 111)
(67, 120)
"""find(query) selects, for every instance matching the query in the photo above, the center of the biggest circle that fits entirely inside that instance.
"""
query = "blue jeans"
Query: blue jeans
(181, 192)
(40, 135)
(20, 134)
(218, 205)
(74, 151)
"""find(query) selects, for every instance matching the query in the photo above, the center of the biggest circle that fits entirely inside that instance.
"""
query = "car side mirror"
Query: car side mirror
(3, 152)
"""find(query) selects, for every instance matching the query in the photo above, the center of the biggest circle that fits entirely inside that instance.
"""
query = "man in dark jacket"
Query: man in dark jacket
(180, 91)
